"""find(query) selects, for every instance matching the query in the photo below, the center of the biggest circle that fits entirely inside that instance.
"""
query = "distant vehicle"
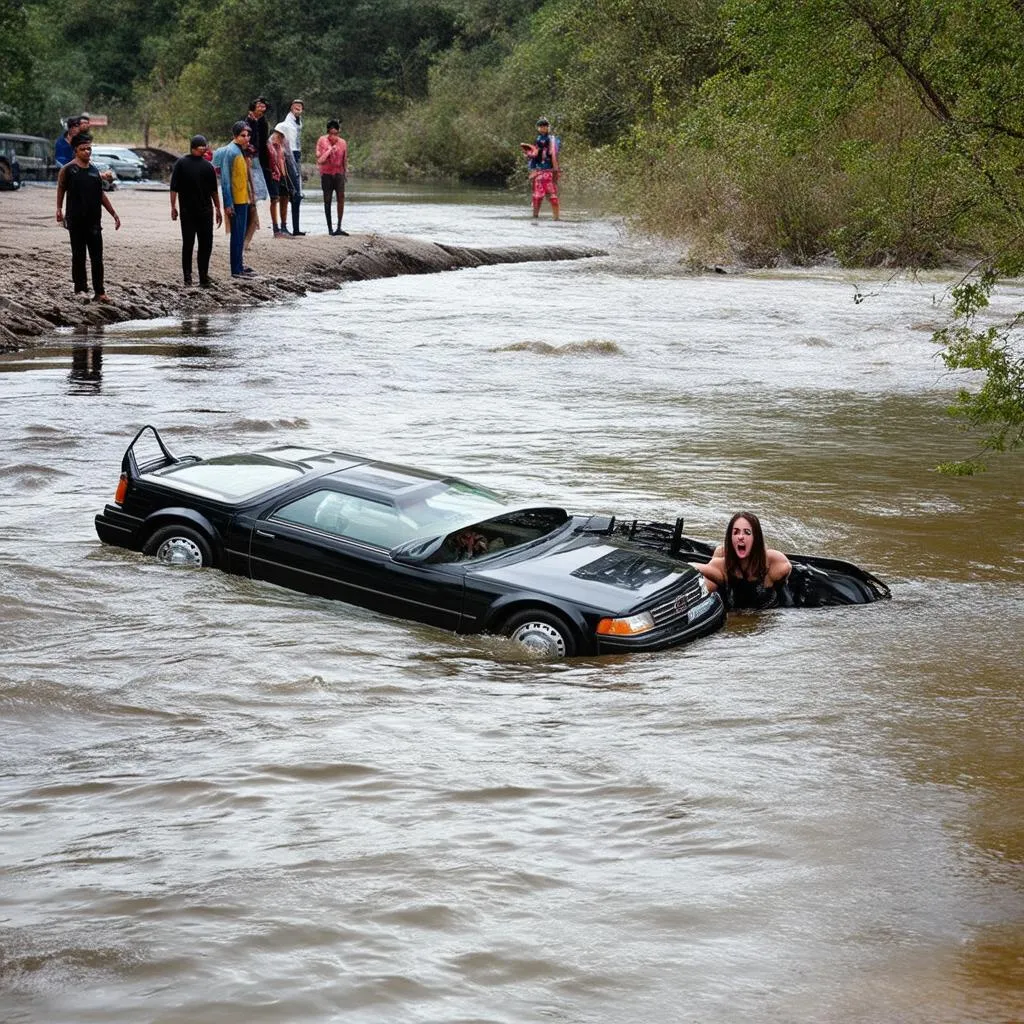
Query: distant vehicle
(107, 173)
(125, 163)
(25, 158)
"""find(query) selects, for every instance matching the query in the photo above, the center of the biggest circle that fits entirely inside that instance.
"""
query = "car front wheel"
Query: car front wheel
(541, 633)
(180, 545)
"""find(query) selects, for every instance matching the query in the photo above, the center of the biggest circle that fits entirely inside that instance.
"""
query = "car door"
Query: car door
(336, 544)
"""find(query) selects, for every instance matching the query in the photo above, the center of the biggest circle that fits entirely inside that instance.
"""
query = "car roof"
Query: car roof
(385, 481)
(388, 480)
(14, 137)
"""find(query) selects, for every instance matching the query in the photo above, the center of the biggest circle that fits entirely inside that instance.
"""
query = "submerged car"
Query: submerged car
(814, 581)
(410, 543)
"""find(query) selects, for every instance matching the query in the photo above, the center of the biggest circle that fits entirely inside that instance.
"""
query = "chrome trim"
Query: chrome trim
(668, 611)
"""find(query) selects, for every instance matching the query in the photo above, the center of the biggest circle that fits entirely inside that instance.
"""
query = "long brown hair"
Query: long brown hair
(757, 560)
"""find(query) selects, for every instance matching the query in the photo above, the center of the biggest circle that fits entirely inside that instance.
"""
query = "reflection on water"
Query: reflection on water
(224, 801)
(86, 369)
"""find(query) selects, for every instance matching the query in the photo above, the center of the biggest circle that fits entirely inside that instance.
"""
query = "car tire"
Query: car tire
(541, 633)
(181, 546)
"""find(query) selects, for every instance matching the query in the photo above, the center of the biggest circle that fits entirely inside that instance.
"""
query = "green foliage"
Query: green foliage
(360, 57)
(997, 351)
(876, 109)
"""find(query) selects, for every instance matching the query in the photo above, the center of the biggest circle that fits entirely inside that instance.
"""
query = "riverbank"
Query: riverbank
(143, 265)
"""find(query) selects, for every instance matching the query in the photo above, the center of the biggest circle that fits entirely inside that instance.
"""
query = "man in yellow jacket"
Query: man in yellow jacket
(234, 186)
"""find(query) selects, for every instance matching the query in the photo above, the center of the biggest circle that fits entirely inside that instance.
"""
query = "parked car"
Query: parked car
(126, 164)
(109, 179)
(25, 158)
(411, 543)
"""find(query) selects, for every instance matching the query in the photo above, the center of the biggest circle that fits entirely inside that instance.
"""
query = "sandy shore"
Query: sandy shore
(143, 265)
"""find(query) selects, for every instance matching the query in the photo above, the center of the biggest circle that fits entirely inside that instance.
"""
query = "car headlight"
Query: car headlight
(629, 626)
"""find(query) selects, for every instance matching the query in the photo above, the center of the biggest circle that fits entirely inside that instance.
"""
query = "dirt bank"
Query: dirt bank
(143, 265)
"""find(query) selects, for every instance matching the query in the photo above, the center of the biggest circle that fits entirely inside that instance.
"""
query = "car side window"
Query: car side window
(349, 516)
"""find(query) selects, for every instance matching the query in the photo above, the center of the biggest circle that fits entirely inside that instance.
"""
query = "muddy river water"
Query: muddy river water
(225, 802)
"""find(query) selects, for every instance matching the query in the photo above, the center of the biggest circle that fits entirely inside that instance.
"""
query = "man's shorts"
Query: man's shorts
(273, 187)
(332, 183)
(544, 185)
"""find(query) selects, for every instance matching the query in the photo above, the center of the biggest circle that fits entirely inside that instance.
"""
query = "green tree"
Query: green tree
(997, 351)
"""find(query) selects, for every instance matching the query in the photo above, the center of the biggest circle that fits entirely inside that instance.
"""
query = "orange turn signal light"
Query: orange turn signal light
(629, 626)
(122, 489)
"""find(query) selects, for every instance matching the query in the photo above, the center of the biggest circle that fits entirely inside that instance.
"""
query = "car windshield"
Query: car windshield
(229, 477)
(435, 507)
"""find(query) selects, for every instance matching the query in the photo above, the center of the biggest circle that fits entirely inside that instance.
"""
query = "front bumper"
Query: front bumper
(709, 616)
(118, 528)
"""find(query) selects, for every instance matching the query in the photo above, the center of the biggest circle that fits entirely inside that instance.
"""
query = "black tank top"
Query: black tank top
(84, 189)
(745, 594)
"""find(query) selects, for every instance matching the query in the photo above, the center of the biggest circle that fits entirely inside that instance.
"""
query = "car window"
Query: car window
(499, 534)
(352, 517)
(230, 477)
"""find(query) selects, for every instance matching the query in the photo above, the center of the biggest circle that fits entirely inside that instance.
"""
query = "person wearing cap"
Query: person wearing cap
(193, 201)
(79, 182)
(64, 150)
(234, 186)
(292, 128)
(332, 159)
(544, 169)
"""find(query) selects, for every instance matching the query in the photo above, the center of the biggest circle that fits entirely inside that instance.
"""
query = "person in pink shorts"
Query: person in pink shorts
(542, 154)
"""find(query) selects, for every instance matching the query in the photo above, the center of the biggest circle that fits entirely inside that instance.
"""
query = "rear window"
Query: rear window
(229, 477)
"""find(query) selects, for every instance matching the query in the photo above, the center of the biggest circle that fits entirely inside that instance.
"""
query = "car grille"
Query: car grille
(676, 606)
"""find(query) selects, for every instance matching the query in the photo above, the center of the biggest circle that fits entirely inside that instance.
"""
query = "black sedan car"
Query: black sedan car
(409, 543)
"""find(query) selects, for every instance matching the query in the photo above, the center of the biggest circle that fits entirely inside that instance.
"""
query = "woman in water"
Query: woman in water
(747, 574)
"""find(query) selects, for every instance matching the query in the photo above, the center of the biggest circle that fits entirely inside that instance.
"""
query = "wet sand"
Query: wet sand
(143, 271)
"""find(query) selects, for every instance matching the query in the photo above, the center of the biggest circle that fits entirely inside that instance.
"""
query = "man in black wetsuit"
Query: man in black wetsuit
(79, 181)
(195, 190)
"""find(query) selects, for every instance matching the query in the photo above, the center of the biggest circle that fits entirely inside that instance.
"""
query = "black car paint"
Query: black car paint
(246, 539)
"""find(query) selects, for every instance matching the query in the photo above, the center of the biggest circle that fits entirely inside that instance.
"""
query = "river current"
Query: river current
(221, 801)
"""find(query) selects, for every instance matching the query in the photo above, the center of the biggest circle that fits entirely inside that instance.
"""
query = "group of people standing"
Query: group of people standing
(207, 186)
(259, 163)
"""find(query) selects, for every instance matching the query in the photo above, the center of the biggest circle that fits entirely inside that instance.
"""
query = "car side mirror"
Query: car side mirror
(416, 552)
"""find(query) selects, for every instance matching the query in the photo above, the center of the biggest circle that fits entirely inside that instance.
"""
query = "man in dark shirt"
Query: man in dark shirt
(194, 196)
(257, 118)
(79, 181)
(259, 145)
(64, 150)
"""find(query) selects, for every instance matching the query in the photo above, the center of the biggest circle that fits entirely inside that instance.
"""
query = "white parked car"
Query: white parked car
(128, 166)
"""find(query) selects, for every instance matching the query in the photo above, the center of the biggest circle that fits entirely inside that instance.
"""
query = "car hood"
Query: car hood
(608, 574)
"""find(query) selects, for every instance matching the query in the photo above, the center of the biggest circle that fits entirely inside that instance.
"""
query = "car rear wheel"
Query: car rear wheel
(180, 545)
(541, 633)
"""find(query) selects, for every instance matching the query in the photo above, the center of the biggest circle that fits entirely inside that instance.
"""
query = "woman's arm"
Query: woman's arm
(779, 567)
(713, 572)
